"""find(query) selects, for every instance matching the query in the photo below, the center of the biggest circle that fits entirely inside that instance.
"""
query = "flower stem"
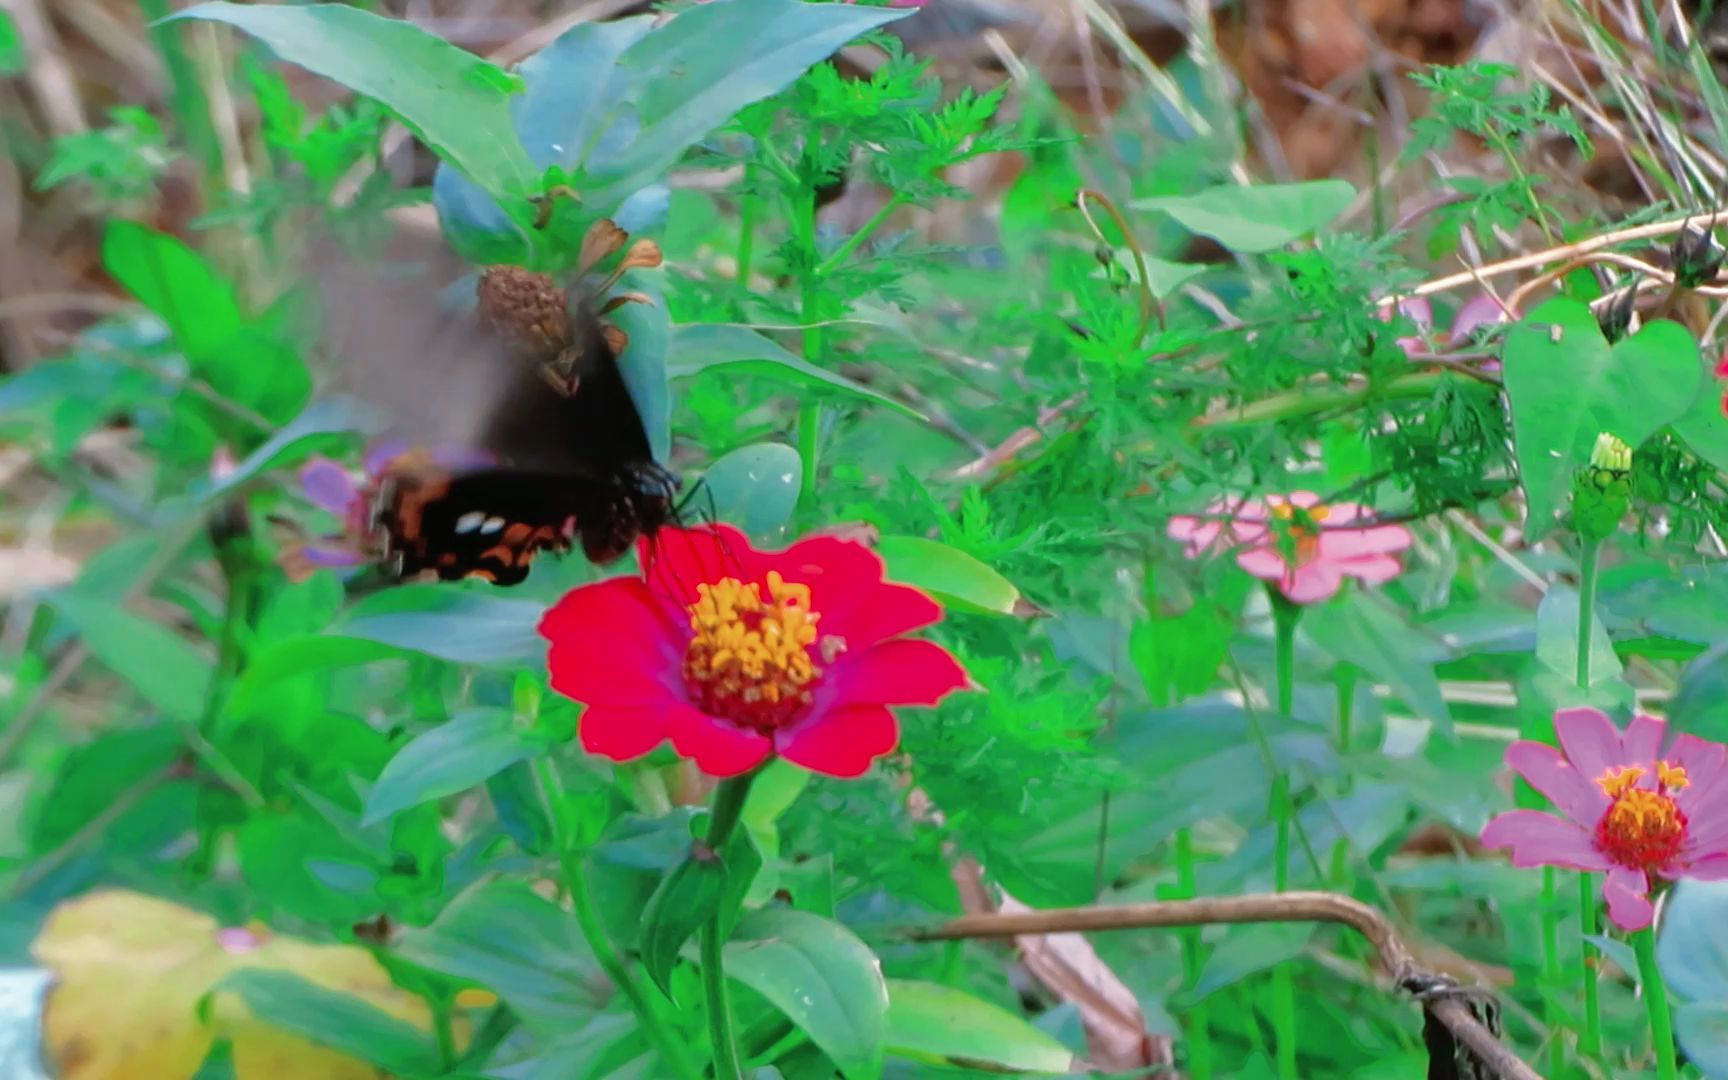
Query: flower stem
(1551, 967)
(1284, 618)
(1656, 1003)
(748, 202)
(1588, 550)
(832, 262)
(1590, 1039)
(722, 820)
(1193, 958)
(671, 1049)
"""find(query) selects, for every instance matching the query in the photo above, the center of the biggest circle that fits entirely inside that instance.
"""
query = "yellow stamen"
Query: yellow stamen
(750, 658)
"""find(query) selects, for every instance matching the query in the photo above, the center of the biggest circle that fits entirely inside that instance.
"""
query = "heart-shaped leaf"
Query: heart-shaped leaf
(1567, 386)
(1257, 218)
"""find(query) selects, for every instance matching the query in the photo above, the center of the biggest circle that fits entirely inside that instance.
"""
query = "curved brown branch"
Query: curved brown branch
(1327, 907)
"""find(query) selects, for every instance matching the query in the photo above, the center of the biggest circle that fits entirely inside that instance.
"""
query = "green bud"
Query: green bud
(1697, 256)
(1602, 490)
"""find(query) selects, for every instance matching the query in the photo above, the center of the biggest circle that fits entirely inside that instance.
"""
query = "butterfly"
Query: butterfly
(529, 379)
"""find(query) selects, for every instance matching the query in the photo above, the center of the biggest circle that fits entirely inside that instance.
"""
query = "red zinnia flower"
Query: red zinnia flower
(737, 654)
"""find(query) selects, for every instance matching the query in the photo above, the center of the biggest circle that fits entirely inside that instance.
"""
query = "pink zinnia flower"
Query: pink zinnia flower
(1306, 548)
(1479, 310)
(1630, 808)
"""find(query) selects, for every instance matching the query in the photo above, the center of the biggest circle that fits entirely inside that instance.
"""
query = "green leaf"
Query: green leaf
(454, 756)
(1373, 635)
(1163, 277)
(943, 1026)
(954, 578)
(693, 74)
(1257, 218)
(303, 654)
(157, 663)
(329, 1018)
(1692, 953)
(643, 362)
(521, 946)
(821, 976)
(698, 347)
(202, 311)
(1567, 386)
(755, 487)
(455, 102)
(687, 898)
(1704, 428)
(13, 59)
(450, 624)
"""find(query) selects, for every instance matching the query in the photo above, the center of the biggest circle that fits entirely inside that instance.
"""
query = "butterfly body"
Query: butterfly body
(541, 393)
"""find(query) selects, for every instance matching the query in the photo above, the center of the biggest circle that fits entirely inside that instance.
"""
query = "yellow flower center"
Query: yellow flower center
(1642, 829)
(1301, 525)
(750, 658)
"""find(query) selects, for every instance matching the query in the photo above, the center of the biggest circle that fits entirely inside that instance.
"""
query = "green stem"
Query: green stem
(1285, 615)
(671, 1049)
(1346, 680)
(747, 210)
(722, 820)
(1656, 1003)
(1590, 1039)
(832, 262)
(1588, 550)
(1551, 976)
(1200, 1057)
(442, 1012)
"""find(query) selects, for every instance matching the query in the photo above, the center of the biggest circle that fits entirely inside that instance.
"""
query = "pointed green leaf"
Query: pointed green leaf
(456, 755)
(1256, 218)
(740, 350)
(943, 1026)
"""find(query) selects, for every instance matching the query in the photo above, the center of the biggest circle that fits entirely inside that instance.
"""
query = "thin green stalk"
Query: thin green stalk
(443, 1011)
(1551, 975)
(671, 1049)
(1285, 615)
(1656, 1003)
(722, 820)
(748, 205)
(1590, 1039)
(832, 262)
(810, 413)
(1200, 1055)
(1346, 680)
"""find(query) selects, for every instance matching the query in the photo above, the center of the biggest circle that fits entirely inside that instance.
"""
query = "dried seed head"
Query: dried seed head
(527, 308)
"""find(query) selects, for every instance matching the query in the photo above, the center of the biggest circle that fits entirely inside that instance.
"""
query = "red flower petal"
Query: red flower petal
(612, 644)
(883, 612)
(622, 733)
(840, 742)
(905, 672)
(675, 561)
(718, 748)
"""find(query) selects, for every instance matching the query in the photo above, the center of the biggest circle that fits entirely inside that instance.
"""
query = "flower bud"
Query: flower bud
(1696, 256)
(1602, 490)
(1615, 318)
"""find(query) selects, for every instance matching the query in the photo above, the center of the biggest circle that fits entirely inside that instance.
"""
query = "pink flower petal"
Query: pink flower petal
(718, 748)
(1705, 762)
(1313, 582)
(328, 485)
(1262, 562)
(1539, 839)
(1643, 740)
(330, 557)
(380, 453)
(622, 733)
(1628, 896)
(1479, 310)
(1548, 771)
(1353, 543)
(902, 672)
(1711, 868)
(1590, 739)
(842, 742)
(1370, 569)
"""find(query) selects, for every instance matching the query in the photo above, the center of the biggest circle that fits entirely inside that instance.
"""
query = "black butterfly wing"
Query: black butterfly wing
(573, 456)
